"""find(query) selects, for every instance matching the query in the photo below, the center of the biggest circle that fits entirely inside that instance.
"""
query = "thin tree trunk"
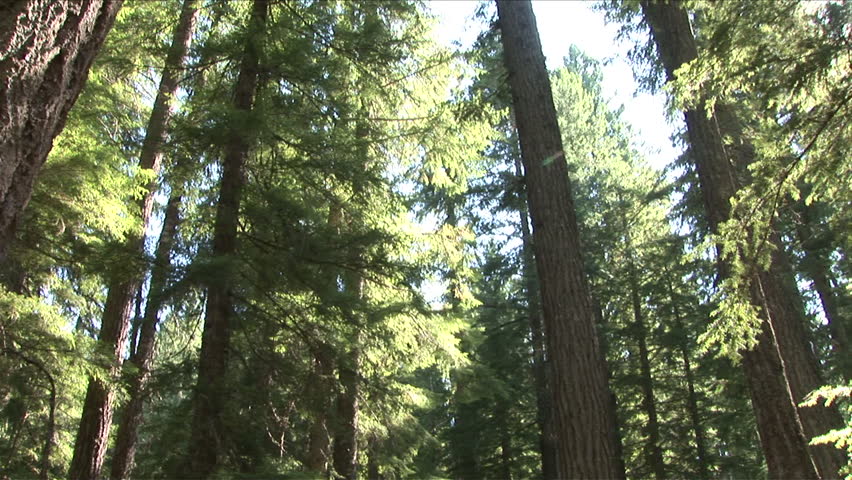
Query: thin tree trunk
(208, 436)
(691, 397)
(46, 50)
(93, 433)
(466, 463)
(653, 450)
(126, 439)
(546, 438)
(585, 441)
(346, 433)
(373, 467)
(621, 467)
(135, 323)
(96, 419)
(505, 441)
(320, 392)
(817, 267)
(781, 432)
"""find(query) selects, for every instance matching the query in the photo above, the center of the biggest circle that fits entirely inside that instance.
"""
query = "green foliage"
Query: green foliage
(840, 438)
(43, 377)
(381, 215)
(780, 65)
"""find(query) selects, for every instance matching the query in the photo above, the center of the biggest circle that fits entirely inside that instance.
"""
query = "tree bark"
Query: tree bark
(346, 433)
(142, 359)
(208, 436)
(46, 50)
(773, 395)
(93, 433)
(321, 386)
(373, 467)
(584, 424)
(97, 411)
(816, 265)
(501, 413)
(653, 450)
(691, 397)
(546, 440)
(783, 305)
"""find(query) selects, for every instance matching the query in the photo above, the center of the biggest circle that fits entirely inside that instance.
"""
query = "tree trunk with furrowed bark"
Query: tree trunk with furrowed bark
(584, 423)
(46, 50)
(781, 368)
(208, 438)
(92, 436)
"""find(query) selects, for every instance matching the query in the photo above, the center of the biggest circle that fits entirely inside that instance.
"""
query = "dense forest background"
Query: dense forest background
(303, 239)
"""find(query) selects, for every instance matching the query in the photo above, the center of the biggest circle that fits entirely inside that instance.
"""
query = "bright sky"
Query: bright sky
(566, 22)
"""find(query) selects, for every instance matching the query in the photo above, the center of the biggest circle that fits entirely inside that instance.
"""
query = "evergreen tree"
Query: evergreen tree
(48, 48)
(578, 374)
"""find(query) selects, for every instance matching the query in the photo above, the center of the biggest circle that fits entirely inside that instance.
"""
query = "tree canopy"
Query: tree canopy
(306, 239)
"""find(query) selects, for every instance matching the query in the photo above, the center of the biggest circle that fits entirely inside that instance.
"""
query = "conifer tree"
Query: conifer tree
(47, 50)
(779, 364)
(578, 375)
(209, 439)
(96, 419)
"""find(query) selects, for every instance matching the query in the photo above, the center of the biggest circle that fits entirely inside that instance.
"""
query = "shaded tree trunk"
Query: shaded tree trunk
(621, 467)
(501, 413)
(321, 387)
(46, 50)
(691, 397)
(208, 435)
(93, 433)
(142, 359)
(773, 398)
(816, 265)
(546, 438)
(653, 450)
(373, 467)
(135, 323)
(97, 411)
(346, 433)
(578, 382)
(784, 307)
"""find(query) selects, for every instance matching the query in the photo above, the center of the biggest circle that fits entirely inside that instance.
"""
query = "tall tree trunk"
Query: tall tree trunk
(135, 323)
(142, 359)
(782, 435)
(600, 321)
(584, 423)
(546, 440)
(816, 265)
(466, 463)
(92, 436)
(653, 450)
(502, 411)
(703, 469)
(373, 467)
(208, 436)
(346, 433)
(319, 395)
(46, 50)
(784, 307)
